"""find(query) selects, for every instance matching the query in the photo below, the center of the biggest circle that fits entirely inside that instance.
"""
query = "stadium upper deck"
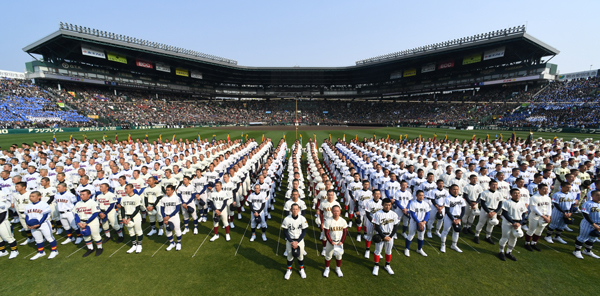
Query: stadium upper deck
(80, 54)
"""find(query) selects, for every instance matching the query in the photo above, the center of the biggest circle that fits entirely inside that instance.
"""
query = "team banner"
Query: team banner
(428, 68)
(92, 52)
(163, 67)
(494, 53)
(472, 59)
(396, 75)
(144, 64)
(93, 116)
(62, 105)
(115, 57)
(446, 65)
(181, 72)
(196, 75)
(410, 72)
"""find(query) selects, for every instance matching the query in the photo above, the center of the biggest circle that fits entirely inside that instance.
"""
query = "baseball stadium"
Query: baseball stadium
(466, 166)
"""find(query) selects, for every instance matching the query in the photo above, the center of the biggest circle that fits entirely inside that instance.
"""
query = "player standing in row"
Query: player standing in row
(294, 230)
(336, 230)
(589, 229)
(455, 210)
(491, 204)
(419, 213)
(513, 211)
(131, 205)
(324, 213)
(371, 206)
(541, 209)
(65, 201)
(6, 235)
(86, 216)
(385, 222)
(107, 201)
(152, 195)
(38, 221)
(170, 206)
(257, 202)
(184, 191)
(217, 201)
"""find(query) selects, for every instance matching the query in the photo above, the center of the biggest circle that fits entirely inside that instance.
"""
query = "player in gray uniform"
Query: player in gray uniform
(563, 202)
(589, 229)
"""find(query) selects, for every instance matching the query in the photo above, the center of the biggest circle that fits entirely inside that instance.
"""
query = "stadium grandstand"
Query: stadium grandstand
(87, 77)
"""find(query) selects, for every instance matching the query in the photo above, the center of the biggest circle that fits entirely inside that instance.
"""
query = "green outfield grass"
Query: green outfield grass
(214, 268)
(321, 133)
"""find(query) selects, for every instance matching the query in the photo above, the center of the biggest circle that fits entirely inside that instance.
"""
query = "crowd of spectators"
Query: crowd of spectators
(24, 104)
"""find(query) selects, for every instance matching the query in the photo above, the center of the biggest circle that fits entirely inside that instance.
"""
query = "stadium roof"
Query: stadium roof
(473, 55)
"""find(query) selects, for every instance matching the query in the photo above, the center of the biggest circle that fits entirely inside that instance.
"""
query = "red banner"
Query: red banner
(446, 64)
(144, 64)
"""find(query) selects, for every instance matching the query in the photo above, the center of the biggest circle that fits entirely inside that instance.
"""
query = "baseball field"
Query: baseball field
(256, 268)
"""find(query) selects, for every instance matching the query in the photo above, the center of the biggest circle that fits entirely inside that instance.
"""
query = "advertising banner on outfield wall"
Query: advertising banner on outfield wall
(163, 67)
(92, 52)
(494, 53)
(446, 65)
(396, 75)
(58, 130)
(181, 72)
(428, 68)
(577, 75)
(472, 59)
(144, 64)
(115, 57)
(410, 72)
(196, 75)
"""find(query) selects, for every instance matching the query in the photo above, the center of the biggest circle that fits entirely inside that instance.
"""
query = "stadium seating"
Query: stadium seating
(566, 104)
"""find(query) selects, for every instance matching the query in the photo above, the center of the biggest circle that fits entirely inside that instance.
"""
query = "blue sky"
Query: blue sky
(307, 33)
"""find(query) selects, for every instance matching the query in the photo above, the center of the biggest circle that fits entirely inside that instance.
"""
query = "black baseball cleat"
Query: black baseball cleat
(535, 248)
(501, 256)
(511, 257)
(106, 239)
(489, 240)
(120, 239)
(528, 247)
(87, 253)
(99, 252)
(465, 231)
(476, 239)
(469, 231)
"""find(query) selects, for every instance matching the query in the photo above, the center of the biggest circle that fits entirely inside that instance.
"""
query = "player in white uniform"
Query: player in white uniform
(131, 205)
(6, 235)
(200, 193)
(152, 195)
(20, 201)
(437, 208)
(385, 222)
(491, 203)
(589, 229)
(324, 213)
(185, 192)
(170, 206)
(336, 230)
(351, 202)
(371, 206)
(541, 208)
(471, 194)
(108, 216)
(86, 216)
(400, 202)
(65, 201)
(512, 212)
(295, 199)
(419, 213)
(37, 217)
(455, 210)
(361, 196)
(294, 229)
(48, 192)
(217, 201)
(257, 202)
